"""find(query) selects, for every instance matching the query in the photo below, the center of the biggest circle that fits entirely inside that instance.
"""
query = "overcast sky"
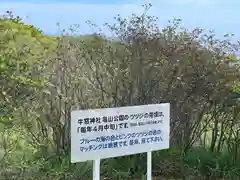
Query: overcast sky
(222, 16)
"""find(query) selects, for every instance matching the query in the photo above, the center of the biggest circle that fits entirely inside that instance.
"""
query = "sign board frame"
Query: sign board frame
(112, 132)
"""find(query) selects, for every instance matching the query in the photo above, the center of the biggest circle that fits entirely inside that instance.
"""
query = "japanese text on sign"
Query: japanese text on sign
(112, 132)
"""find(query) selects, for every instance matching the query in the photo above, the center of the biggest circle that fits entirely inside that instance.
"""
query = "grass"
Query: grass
(167, 164)
(1, 153)
(199, 163)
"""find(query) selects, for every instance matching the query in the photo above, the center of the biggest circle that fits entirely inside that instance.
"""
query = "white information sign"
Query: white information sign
(112, 132)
